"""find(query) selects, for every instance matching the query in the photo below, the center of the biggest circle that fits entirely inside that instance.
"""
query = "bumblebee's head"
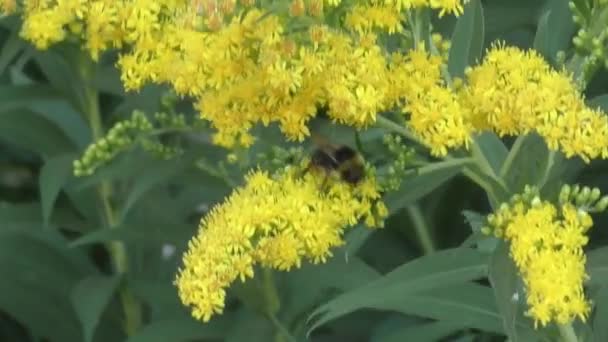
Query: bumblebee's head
(344, 154)
(352, 173)
(350, 164)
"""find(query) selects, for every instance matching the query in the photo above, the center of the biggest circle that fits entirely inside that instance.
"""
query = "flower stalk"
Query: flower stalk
(117, 250)
(567, 333)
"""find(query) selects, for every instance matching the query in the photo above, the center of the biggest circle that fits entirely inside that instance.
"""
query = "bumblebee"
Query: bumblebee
(341, 159)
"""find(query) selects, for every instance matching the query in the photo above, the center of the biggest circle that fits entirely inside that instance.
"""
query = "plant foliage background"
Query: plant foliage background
(416, 279)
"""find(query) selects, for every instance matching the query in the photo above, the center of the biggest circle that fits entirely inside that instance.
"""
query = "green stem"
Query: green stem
(567, 332)
(481, 159)
(421, 228)
(273, 304)
(444, 68)
(395, 127)
(513, 152)
(579, 65)
(283, 332)
(550, 165)
(414, 26)
(117, 250)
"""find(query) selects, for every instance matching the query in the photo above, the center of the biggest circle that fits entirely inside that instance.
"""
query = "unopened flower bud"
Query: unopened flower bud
(601, 205)
(564, 194)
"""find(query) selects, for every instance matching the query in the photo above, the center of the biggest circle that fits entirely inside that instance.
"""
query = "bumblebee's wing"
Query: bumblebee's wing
(321, 141)
(323, 146)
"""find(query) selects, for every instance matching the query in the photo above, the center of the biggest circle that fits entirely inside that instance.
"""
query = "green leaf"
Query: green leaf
(31, 131)
(42, 271)
(63, 114)
(147, 100)
(597, 266)
(248, 327)
(443, 268)
(529, 162)
(127, 165)
(491, 151)
(10, 50)
(158, 171)
(600, 102)
(53, 176)
(428, 179)
(600, 316)
(107, 79)
(307, 286)
(139, 232)
(467, 39)
(17, 214)
(485, 244)
(58, 67)
(542, 37)
(42, 312)
(90, 297)
(474, 219)
(355, 239)
(504, 278)
(469, 304)
(503, 17)
(181, 329)
(555, 29)
(48, 103)
(427, 332)
(158, 293)
(495, 188)
(20, 96)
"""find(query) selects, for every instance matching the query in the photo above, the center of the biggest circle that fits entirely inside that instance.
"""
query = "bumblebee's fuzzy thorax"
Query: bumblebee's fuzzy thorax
(343, 160)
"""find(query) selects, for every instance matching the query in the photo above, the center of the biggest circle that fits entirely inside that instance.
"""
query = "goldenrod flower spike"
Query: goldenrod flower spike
(435, 113)
(274, 221)
(546, 243)
(514, 92)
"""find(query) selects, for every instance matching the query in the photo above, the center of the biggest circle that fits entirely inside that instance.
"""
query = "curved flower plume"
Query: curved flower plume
(513, 92)
(546, 243)
(274, 221)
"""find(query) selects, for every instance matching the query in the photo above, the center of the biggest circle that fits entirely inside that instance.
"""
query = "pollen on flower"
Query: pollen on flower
(276, 221)
(546, 244)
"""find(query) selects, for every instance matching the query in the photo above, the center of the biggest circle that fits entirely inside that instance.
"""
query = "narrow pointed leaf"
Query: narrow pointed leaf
(444, 268)
(90, 297)
(467, 39)
(53, 176)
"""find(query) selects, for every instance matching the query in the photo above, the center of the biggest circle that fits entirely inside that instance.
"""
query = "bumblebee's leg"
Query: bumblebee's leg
(304, 171)
(323, 185)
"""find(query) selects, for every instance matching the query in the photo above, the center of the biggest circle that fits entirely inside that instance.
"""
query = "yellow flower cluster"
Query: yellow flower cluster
(515, 92)
(444, 6)
(435, 113)
(245, 66)
(240, 63)
(275, 222)
(546, 243)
